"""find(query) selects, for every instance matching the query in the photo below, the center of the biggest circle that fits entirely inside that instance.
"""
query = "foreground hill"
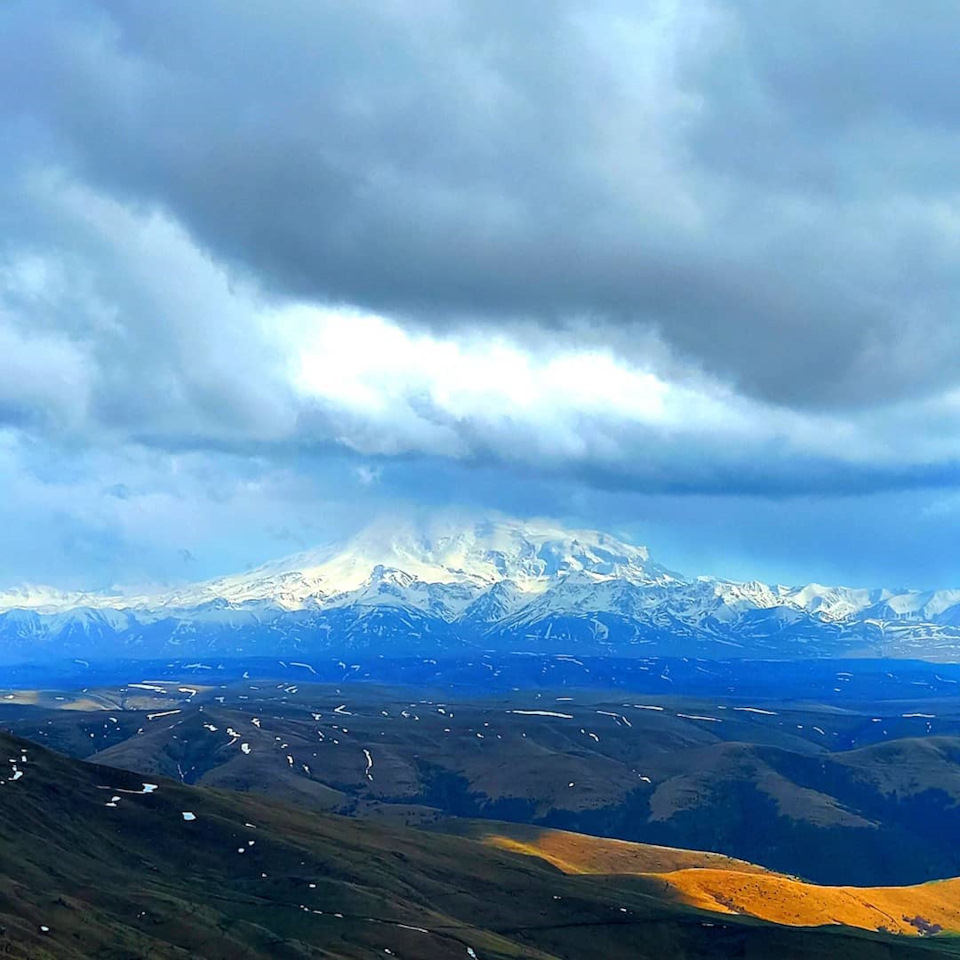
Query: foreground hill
(95, 862)
(400, 587)
(771, 783)
(729, 886)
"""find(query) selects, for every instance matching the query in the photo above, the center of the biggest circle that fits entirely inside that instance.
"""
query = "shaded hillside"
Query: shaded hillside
(96, 862)
(763, 782)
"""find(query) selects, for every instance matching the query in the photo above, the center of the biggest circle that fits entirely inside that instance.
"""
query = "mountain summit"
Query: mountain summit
(439, 550)
(447, 583)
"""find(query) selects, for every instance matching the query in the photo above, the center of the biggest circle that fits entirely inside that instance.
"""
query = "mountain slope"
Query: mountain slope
(95, 862)
(399, 587)
(778, 784)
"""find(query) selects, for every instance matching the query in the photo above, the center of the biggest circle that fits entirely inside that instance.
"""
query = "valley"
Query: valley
(838, 792)
(518, 807)
(96, 861)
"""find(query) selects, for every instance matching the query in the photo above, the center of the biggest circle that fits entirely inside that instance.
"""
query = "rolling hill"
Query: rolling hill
(95, 861)
(723, 885)
(856, 795)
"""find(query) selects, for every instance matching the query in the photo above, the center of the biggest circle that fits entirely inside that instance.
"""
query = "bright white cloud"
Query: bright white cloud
(139, 335)
(414, 391)
(372, 366)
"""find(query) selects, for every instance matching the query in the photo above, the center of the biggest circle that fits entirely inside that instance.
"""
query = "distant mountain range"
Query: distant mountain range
(403, 588)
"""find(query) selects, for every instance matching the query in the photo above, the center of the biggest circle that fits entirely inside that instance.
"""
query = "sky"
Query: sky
(684, 271)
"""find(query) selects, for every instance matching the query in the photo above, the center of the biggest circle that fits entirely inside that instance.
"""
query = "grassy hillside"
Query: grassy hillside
(929, 908)
(769, 783)
(94, 863)
(721, 884)
(578, 853)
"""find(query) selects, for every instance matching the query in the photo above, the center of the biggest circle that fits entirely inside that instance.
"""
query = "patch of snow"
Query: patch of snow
(542, 713)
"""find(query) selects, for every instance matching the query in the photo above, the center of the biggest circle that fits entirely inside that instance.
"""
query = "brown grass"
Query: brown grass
(710, 881)
(579, 853)
(909, 910)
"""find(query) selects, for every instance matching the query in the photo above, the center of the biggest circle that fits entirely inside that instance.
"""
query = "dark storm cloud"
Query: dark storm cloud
(769, 186)
(112, 323)
(718, 240)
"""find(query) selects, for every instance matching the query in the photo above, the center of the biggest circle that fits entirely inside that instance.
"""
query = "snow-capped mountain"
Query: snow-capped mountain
(405, 587)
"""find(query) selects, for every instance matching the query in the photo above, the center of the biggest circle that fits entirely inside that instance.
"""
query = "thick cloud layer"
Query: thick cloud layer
(565, 257)
(770, 187)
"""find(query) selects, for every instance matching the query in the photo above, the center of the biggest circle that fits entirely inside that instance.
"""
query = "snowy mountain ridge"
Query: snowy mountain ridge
(497, 583)
(478, 554)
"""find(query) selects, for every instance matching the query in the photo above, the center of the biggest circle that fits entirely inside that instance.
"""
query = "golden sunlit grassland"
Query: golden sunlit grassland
(579, 853)
(710, 881)
(925, 908)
